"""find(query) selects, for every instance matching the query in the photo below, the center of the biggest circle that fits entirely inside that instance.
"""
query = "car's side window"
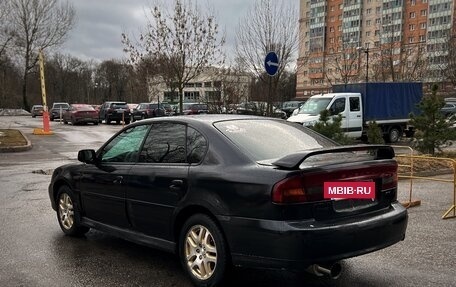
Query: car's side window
(338, 106)
(125, 146)
(354, 104)
(196, 146)
(166, 143)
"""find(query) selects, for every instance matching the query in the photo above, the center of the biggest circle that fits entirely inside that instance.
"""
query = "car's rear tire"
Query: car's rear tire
(394, 134)
(203, 251)
(107, 121)
(95, 123)
(68, 213)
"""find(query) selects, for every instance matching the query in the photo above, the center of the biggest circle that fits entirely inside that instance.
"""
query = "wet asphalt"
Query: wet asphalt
(34, 251)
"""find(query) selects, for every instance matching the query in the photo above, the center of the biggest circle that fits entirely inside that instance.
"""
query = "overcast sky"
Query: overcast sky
(99, 24)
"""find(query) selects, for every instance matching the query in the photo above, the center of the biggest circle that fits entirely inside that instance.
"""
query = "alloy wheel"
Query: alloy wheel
(66, 211)
(200, 252)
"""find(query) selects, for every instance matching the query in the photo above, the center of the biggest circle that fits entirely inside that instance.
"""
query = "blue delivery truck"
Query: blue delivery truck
(388, 104)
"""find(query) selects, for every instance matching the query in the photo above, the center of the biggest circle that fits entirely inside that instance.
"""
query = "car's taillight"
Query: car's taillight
(308, 186)
(297, 189)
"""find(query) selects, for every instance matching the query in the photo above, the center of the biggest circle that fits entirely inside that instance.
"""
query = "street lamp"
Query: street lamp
(366, 51)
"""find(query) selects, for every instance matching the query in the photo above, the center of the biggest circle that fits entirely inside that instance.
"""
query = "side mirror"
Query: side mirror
(87, 156)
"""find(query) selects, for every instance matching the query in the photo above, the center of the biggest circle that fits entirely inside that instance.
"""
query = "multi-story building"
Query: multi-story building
(344, 41)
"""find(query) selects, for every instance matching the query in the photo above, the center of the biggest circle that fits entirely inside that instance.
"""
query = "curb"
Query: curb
(18, 148)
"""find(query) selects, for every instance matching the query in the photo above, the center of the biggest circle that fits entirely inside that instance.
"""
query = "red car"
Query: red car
(80, 114)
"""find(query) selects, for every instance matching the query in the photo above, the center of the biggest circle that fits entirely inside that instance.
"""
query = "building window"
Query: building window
(378, 10)
(412, 15)
(412, 27)
(198, 85)
(368, 11)
(410, 40)
(208, 84)
(378, 21)
(331, 29)
(368, 33)
(368, 22)
(422, 38)
(423, 25)
(413, 2)
(189, 85)
(423, 12)
(191, 96)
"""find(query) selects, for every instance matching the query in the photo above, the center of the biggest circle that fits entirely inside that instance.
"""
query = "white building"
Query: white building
(216, 86)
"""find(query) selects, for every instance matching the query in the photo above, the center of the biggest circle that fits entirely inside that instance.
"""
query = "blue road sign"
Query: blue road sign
(271, 63)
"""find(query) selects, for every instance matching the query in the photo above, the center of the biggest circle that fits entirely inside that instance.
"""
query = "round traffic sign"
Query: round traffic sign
(271, 63)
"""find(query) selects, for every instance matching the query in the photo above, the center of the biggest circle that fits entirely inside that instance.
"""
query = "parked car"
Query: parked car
(194, 108)
(37, 110)
(289, 106)
(229, 189)
(57, 110)
(145, 111)
(258, 109)
(80, 114)
(114, 111)
(448, 109)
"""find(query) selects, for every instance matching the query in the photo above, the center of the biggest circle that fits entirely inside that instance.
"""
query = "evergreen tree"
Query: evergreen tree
(434, 129)
(374, 134)
(330, 126)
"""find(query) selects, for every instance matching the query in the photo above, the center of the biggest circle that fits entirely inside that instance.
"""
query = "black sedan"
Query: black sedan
(229, 189)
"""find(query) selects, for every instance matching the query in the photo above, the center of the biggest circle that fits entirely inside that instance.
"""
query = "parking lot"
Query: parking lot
(34, 252)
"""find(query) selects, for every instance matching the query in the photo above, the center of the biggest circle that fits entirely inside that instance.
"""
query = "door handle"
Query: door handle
(358, 116)
(176, 185)
(118, 180)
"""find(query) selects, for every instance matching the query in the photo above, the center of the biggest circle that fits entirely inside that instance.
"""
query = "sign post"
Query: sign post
(271, 65)
(46, 130)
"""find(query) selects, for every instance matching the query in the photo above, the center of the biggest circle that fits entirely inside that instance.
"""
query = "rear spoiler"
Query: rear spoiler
(293, 161)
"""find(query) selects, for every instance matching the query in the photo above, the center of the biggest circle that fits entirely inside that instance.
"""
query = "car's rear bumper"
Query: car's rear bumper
(297, 244)
(86, 120)
(118, 116)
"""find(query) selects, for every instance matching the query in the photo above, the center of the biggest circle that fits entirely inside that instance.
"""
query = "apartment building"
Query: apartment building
(344, 41)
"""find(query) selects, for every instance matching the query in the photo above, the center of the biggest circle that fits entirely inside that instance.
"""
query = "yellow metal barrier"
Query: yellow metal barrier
(409, 154)
(451, 212)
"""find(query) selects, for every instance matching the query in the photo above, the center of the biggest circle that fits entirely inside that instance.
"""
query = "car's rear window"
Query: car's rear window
(270, 139)
(65, 106)
(119, 106)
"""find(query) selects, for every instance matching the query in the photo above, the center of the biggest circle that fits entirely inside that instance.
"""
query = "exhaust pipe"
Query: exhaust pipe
(333, 271)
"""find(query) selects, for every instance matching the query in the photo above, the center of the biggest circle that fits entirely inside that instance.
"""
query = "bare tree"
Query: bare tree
(343, 66)
(450, 59)
(38, 24)
(268, 26)
(6, 33)
(185, 40)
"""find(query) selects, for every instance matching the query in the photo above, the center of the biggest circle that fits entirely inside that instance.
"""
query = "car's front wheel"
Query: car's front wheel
(203, 251)
(68, 214)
